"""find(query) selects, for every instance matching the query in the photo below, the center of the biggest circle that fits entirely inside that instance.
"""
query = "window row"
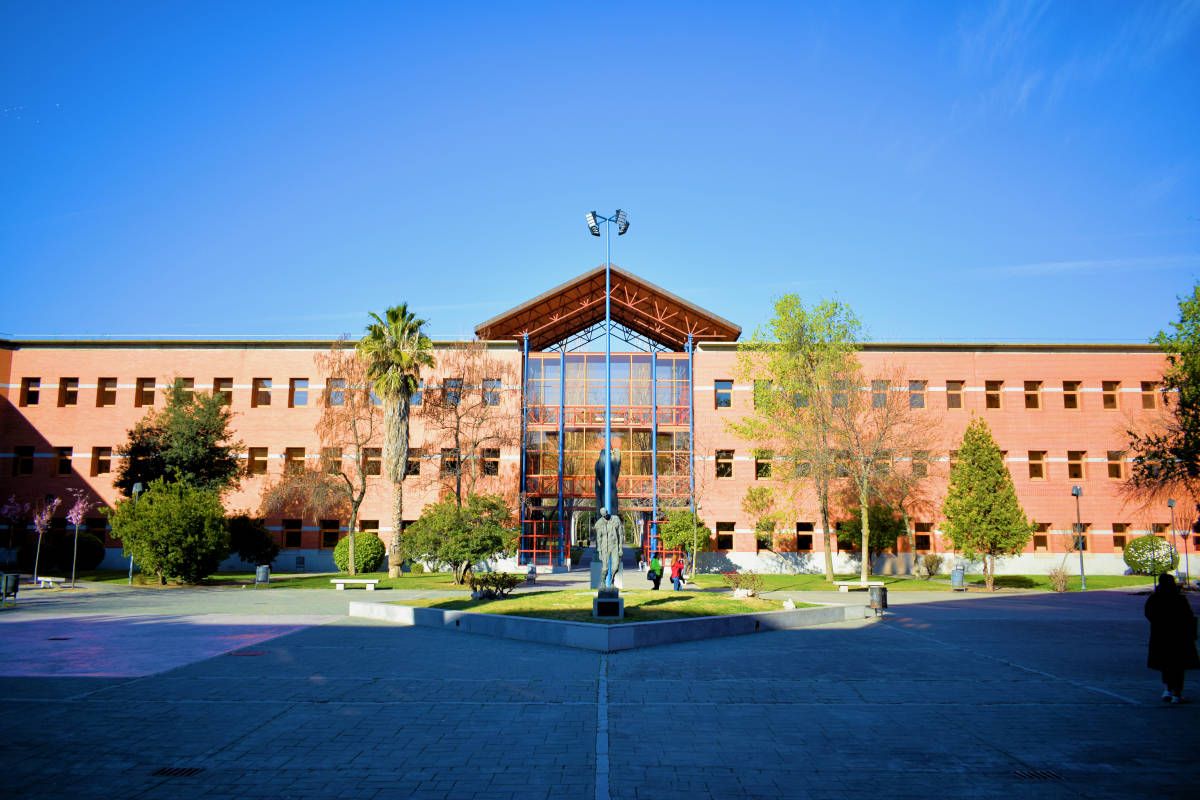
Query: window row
(1077, 462)
(1031, 392)
(261, 391)
(101, 460)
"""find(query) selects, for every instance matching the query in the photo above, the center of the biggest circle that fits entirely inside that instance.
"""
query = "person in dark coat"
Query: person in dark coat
(1172, 637)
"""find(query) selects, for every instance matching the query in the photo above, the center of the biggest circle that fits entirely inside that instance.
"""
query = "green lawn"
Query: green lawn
(941, 583)
(640, 606)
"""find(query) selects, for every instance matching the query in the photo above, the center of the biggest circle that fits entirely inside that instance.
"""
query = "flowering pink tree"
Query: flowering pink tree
(75, 516)
(14, 514)
(41, 524)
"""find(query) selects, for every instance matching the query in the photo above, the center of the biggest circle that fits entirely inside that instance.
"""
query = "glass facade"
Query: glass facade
(564, 437)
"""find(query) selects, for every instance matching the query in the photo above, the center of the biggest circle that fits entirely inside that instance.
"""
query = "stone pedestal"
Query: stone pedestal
(608, 604)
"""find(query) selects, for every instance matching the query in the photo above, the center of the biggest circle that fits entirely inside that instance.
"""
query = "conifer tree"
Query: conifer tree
(983, 516)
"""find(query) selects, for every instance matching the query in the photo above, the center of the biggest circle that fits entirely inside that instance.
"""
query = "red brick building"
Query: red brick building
(1060, 413)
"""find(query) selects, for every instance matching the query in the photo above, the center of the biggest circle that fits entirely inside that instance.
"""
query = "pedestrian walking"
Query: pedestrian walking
(677, 567)
(1172, 637)
(656, 572)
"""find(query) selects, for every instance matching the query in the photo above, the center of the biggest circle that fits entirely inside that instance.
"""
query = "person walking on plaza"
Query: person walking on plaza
(656, 572)
(1172, 637)
(677, 572)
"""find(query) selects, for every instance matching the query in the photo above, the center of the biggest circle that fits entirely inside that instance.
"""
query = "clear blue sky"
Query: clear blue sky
(1000, 171)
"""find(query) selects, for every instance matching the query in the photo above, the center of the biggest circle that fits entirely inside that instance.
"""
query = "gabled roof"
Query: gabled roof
(637, 304)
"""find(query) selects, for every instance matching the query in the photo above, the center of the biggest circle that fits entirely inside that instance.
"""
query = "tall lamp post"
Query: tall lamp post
(137, 489)
(622, 222)
(1077, 491)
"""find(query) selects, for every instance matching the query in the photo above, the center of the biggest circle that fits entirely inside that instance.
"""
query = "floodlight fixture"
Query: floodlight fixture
(622, 222)
(593, 226)
(1076, 491)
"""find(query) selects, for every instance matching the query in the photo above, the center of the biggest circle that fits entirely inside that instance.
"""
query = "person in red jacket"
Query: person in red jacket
(677, 572)
(1172, 637)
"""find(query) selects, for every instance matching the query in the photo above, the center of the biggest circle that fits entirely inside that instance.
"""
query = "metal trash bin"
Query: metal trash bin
(877, 598)
(958, 579)
(262, 574)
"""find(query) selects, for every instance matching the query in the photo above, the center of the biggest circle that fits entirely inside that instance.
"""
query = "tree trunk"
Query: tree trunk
(823, 499)
(912, 541)
(394, 559)
(866, 534)
(989, 572)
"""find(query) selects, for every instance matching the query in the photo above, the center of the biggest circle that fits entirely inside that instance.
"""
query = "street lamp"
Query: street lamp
(137, 489)
(593, 222)
(1175, 533)
(1077, 491)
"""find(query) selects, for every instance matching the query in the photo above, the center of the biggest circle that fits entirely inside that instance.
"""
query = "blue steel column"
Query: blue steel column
(524, 438)
(608, 487)
(691, 422)
(653, 451)
(562, 407)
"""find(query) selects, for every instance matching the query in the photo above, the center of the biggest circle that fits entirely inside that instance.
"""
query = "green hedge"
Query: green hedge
(368, 552)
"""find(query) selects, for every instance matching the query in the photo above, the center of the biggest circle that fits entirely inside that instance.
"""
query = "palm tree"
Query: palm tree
(395, 349)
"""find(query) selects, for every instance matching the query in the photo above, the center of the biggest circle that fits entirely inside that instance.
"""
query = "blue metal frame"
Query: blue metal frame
(608, 487)
(653, 452)
(521, 510)
(691, 422)
(562, 404)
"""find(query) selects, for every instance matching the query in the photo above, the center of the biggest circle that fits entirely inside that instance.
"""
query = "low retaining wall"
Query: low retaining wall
(601, 637)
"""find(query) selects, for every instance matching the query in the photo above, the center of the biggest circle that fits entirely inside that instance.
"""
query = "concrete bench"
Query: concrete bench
(366, 583)
(845, 586)
(44, 582)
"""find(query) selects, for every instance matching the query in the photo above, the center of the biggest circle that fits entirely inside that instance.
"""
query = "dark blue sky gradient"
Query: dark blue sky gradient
(1017, 171)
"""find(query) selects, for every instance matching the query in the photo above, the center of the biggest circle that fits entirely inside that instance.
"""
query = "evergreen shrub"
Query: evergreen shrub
(368, 552)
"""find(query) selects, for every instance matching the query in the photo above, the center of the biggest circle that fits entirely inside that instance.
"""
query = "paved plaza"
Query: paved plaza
(226, 693)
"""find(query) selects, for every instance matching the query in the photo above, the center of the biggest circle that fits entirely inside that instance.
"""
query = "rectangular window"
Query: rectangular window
(62, 460)
(723, 394)
(800, 400)
(879, 394)
(293, 459)
(31, 390)
(101, 461)
(1120, 536)
(418, 396)
(954, 394)
(1160, 529)
(188, 387)
(68, 392)
(491, 391)
(256, 461)
(449, 461)
(330, 529)
(803, 468)
(413, 465)
(223, 390)
(762, 464)
(953, 458)
(452, 391)
(143, 392)
(1033, 394)
(841, 394)
(916, 393)
(725, 535)
(1041, 537)
(106, 392)
(292, 529)
(923, 536)
(369, 526)
(1037, 465)
(1109, 391)
(22, 460)
(491, 460)
(335, 392)
(992, 391)
(331, 460)
(1116, 464)
(1071, 394)
(1150, 390)
(1080, 539)
(297, 392)
(260, 392)
(372, 461)
(1075, 464)
(724, 463)
(804, 536)
(920, 463)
